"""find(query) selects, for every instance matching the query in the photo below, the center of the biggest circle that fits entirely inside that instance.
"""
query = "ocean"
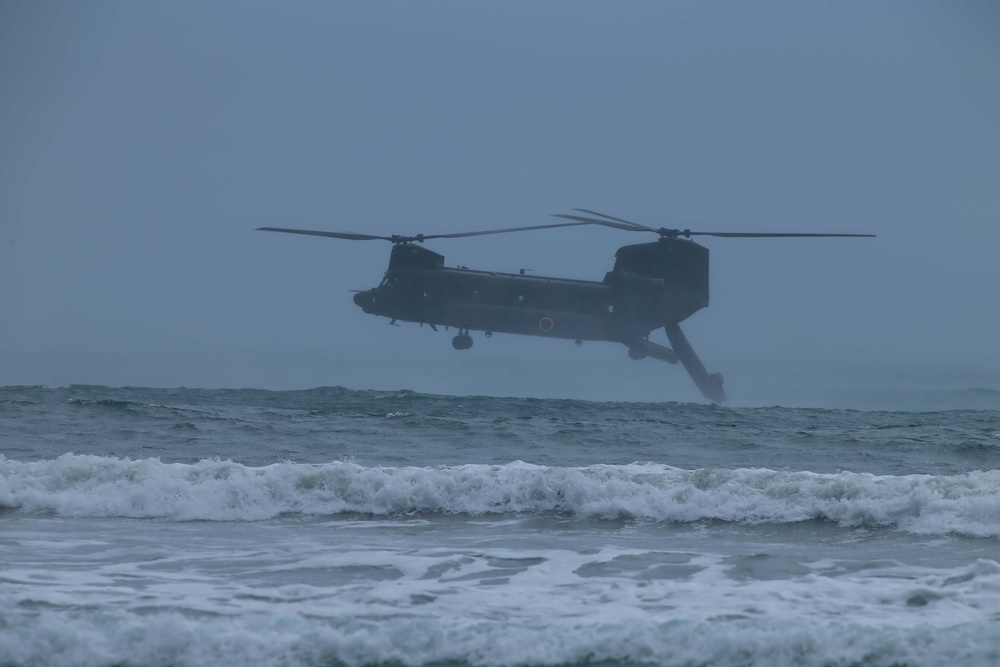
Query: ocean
(333, 527)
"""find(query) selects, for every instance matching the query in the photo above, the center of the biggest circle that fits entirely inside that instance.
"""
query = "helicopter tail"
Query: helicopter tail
(710, 384)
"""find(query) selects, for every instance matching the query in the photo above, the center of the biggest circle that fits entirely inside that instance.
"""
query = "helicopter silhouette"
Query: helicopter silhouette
(652, 285)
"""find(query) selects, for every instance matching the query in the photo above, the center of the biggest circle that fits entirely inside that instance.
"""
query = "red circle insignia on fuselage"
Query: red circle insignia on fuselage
(545, 324)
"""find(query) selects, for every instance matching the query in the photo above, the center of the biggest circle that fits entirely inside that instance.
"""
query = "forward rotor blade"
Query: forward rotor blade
(352, 236)
(336, 235)
(456, 235)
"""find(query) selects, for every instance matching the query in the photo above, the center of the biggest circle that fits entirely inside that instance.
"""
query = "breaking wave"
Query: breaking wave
(222, 490)
(293, 640)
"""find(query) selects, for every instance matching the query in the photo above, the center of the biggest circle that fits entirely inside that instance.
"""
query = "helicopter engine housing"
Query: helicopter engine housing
(671, 272)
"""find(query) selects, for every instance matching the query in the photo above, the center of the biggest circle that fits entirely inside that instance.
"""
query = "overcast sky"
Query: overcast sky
(141, 143)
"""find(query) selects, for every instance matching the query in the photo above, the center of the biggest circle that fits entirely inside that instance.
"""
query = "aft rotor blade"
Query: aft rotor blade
(611, 217)
(606, 223)
(336, 235)
(673, 233)
(764, 235)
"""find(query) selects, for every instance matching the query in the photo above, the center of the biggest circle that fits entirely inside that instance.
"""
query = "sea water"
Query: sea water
(162, 527)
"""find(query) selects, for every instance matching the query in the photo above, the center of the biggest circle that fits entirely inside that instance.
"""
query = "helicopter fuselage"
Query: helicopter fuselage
(652, 284)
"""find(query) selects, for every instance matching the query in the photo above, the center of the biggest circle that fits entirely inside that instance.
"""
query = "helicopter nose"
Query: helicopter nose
(364, 299)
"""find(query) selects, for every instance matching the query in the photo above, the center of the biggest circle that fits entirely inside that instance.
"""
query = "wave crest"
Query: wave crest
(222, 490)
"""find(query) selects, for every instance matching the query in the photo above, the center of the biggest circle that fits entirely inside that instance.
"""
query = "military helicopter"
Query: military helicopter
(652, 285)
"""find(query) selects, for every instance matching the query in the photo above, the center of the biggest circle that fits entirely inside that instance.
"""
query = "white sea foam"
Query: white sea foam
(222, 490)
(320, 593)
(53, 639)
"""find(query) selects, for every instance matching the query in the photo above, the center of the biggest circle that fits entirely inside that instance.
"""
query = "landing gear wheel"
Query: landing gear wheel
(462, 341)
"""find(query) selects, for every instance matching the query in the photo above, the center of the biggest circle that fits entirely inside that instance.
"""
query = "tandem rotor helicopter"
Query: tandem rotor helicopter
(652, 285)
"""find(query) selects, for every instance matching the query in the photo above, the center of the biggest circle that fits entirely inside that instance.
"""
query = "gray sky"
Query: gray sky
(142, 142)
